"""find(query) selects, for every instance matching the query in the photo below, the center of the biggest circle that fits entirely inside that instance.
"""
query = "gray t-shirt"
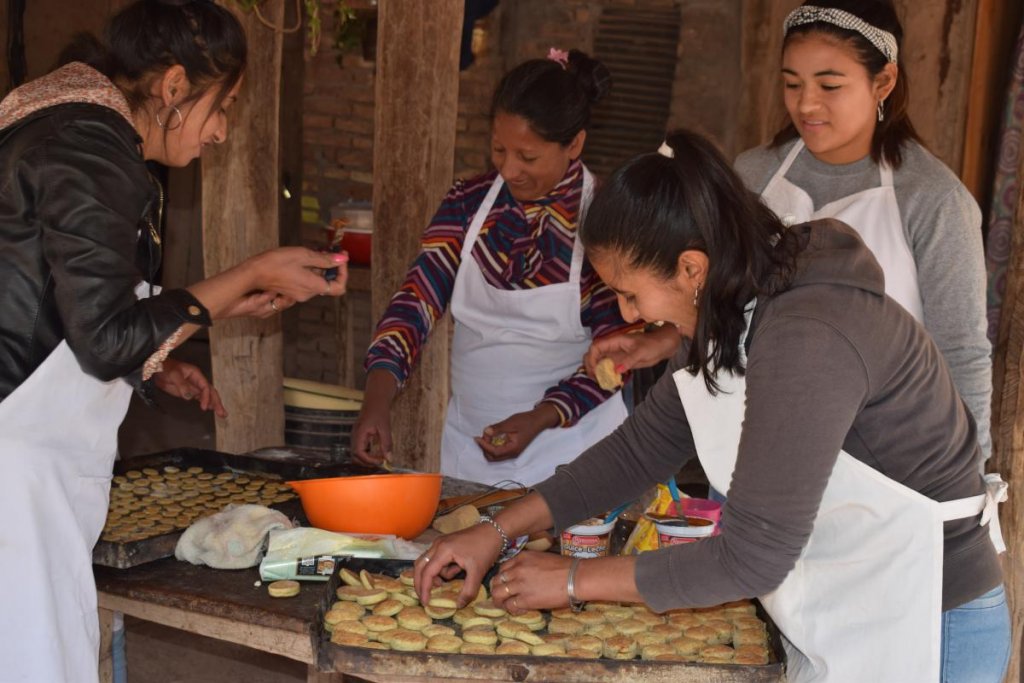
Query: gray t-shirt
(819, 378)
(942, 225)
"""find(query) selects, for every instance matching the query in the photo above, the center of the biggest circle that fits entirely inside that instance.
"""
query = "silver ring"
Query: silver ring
(508, 591)
(273, 304)
(426, 558)
(327, 290)
(187, 396)
(515, 602)
(504, 577)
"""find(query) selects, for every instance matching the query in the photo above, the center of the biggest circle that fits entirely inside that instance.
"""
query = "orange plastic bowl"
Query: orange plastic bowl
(358, 244)
(400, 504)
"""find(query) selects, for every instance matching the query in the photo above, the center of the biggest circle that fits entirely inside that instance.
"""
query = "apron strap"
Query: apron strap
(480, 216)
(576, 267)
(996, 492)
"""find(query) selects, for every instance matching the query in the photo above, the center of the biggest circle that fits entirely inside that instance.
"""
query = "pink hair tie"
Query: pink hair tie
(560, 56)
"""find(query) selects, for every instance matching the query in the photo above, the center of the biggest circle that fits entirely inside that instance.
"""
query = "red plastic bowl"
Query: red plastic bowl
(358, 245)
(399, 504)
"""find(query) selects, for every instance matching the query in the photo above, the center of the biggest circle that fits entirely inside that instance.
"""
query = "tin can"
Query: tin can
(590, 539)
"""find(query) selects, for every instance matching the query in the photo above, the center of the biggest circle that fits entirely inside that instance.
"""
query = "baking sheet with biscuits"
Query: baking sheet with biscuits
(154, 498)
(374, 623)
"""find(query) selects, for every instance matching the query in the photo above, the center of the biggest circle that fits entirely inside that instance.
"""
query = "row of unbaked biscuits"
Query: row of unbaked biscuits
(615, 631)
(146, 503)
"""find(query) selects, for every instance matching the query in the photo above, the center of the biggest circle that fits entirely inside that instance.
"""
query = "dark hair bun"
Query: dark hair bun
(593, 75)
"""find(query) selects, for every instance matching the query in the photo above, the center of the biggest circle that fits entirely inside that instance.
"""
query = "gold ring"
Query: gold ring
(273, 304)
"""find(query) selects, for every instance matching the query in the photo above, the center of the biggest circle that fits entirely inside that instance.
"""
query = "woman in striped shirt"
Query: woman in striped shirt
(502, 254)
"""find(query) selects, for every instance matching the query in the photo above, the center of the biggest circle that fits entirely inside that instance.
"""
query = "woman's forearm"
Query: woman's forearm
(525, 516)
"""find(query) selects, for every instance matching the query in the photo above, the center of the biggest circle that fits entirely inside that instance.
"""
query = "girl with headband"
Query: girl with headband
(850, 152)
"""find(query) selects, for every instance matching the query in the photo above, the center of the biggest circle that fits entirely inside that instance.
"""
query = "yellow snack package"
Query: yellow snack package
(645, 536)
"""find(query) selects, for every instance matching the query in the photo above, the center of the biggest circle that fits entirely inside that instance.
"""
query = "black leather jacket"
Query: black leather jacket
(75, 204)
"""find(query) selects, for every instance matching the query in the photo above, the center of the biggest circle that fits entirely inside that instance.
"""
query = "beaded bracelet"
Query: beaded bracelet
(487, 519)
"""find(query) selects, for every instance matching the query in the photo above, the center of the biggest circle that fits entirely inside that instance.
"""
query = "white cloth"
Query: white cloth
(864, 601)
(873, 213)
(509, 346)
(234, 538)
(58, 440)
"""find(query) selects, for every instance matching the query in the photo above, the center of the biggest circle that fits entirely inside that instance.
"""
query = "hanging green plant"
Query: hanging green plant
(349, 27)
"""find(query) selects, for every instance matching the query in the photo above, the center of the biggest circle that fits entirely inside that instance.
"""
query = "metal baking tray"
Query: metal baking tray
(284, 463)
(357, 660)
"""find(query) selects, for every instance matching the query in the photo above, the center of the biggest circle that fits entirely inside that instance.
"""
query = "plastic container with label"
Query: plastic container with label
(673, 532)
(590, 539)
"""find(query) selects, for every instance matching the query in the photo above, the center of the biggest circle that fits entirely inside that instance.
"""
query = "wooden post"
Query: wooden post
(414, 145)
(1008, 435)
(240, 219)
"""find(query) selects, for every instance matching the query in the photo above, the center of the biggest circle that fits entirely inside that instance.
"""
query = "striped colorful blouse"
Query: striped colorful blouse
(521, 245)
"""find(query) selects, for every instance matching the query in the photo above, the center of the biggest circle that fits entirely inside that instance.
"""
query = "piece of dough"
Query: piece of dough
(607, 377)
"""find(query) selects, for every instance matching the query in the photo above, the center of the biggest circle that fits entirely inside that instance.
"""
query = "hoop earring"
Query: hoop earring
(881, 111)
(166, 124)
(696, 296)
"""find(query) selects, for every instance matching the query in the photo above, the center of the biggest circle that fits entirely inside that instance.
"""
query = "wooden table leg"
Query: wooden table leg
(106, 645)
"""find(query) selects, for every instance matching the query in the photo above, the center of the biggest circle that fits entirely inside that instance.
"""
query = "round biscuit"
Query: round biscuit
(585, 642)
(476, 649)
(283, 589)
(480, 635)
(579, 653)
(547, 649)
(654, 650)
(377, 623)
(346, 638)
(405, 640)
(413, 619)
(437, 630)
(388, 608)
(619, 647)
(344, 611)
(444, 643)
(512, 647)
(439, 612)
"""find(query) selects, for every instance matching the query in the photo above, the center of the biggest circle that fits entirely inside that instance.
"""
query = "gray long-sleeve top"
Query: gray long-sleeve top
(942, 226)
(833, 364)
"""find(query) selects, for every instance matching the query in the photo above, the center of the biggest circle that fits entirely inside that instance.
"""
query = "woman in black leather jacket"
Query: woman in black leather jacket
(79, 218)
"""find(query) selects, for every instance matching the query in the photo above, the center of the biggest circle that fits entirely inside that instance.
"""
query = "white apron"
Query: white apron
(58, 441)
(864, 601)
(873, 213)
(510, 346)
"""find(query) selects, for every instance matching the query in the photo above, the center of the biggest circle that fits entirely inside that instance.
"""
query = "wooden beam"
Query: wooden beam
(938, 47)
(417, 91)
(995, 33)
(240, 219)
(761, 112)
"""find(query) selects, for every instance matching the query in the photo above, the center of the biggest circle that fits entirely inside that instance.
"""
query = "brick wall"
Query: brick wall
(338, 127)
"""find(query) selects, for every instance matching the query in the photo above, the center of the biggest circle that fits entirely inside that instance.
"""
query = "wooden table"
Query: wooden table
(226, 604)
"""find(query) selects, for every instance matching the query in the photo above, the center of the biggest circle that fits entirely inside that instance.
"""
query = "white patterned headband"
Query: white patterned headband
(808, 14)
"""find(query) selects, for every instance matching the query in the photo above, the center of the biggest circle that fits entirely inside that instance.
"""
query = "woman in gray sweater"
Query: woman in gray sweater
(824, 410)
(849, 151)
